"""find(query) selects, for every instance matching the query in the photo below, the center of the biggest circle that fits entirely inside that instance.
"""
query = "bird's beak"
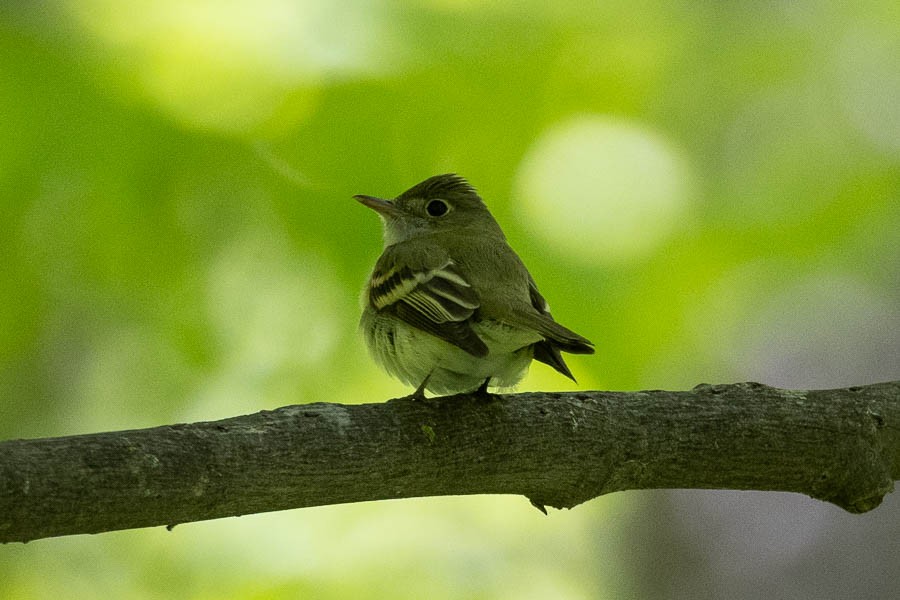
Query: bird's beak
(384, 208)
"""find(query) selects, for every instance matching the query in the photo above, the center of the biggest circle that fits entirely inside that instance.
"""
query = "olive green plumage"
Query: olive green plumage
(450, 307)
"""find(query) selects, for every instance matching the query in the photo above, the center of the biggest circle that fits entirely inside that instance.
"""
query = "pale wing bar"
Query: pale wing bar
(439, 294)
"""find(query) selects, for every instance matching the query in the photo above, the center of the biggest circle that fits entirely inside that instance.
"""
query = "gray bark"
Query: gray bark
(557, 449)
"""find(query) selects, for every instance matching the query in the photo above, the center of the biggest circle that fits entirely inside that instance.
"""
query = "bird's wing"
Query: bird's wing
(556, 337)
(432, 296)
(542, 321)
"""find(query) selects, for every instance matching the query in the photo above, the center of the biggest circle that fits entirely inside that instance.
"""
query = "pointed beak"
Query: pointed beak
(384, 208)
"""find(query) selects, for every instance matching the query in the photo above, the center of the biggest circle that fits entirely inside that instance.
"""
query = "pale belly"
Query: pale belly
(411, 355)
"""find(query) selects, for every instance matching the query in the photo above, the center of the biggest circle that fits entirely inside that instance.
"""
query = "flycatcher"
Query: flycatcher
(450, 307)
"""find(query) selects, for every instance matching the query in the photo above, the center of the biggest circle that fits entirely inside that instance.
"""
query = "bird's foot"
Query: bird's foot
(482, 392)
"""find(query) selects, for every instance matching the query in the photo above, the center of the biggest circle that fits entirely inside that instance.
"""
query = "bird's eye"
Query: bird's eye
(437, 208)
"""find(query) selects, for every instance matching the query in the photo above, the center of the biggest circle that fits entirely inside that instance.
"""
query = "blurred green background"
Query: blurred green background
(709, 191)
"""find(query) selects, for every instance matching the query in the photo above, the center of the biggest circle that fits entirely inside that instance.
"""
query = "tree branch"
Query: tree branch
(558, 449)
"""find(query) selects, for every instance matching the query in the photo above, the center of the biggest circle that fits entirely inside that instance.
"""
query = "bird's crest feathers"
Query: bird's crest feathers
(447, 185)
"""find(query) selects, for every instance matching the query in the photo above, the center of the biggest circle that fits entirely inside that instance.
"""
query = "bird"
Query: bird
(449, 306)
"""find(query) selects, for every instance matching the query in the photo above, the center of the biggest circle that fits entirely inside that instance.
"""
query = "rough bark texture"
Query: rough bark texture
(557, 449)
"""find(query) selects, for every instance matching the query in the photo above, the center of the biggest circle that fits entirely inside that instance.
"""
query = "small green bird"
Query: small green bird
(450, 307)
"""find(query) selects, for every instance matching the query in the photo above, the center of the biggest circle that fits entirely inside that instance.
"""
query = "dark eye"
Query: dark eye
(437, 208)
